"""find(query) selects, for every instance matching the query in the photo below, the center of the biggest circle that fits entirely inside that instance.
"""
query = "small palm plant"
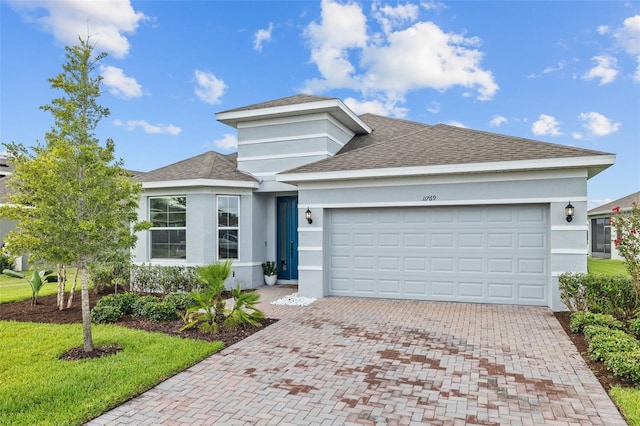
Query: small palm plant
(36, 281)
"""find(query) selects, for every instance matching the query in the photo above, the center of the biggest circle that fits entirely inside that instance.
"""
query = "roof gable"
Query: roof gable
(624, 203)
(210, 165)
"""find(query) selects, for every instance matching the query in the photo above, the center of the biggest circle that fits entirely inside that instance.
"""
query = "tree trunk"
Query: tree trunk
(61, 282)
(73, 288)
(86, 311)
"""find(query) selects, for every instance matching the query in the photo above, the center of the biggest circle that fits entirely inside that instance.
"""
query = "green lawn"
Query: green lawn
(16, 289)
(606, 266)
(38, 388)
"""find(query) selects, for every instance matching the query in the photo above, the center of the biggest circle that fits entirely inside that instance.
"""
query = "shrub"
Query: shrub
(164, 279)
(105, 313)
(579, 320)
(6, 262)
(625, 364)
(106, 276)
(634, 327)
(139, 305)
(159, 311)
(123, 301)
(602, 345)
(181, 301)
(573, 292)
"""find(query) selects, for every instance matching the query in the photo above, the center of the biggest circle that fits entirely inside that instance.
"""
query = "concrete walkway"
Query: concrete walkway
(347, 361)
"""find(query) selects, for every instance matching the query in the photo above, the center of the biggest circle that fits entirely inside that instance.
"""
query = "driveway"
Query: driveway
(364, 361)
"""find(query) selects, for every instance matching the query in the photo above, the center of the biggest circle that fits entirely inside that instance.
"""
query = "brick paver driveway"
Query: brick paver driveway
(360, 361)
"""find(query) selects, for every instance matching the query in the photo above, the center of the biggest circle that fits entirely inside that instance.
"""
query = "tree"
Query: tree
(73, 202)
(627, 242)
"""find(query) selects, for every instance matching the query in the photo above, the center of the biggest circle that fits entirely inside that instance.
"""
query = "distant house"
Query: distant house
(372, 206)
(601, 233)
(7, 226)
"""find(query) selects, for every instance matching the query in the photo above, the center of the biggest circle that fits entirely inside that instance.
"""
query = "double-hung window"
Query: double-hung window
(228, 226)
(168, 216)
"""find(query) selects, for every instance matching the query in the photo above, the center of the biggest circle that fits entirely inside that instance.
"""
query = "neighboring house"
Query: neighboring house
(601, 233)
(372, 206)
(7, 226)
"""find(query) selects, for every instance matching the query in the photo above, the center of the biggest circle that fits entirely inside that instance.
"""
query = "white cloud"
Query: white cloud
(210, 88)
(375, 107)
(558, 67)
(628, 36)
(497, 121)
(262, 36)
(434, 107)
(105, 21)
(576, 135)
(602, 29)
(456, 124)
(120, 84)
(597, 124)
(606, 69)
(227, 142)
(158, 129)
(636, 75)
(391, 64)
(391, 17)
(546, 125)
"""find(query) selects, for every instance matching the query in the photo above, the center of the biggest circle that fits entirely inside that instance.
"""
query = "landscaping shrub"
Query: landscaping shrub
(625, 364)
(579, 320)
(105, 313)
(164, 279)
(106, 276)
(159, 311)
(634, 327)
(6, 262)
(602, 345)
(123, 301)
(573, 292)
(138, 306)
(181, 301)
(591, 330)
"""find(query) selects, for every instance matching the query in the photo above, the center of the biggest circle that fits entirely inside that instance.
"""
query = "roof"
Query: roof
(624, 203)
(289, 100)
(397, 143)
(210, 165)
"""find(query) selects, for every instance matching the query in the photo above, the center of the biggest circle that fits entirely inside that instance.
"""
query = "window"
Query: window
(601, 237)
(228, 226)
(168, 216)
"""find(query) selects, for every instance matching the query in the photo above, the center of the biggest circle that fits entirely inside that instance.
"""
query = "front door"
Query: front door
(287, 238)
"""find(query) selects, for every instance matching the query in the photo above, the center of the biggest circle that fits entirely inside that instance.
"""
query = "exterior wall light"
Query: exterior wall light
(307, 214)
(569, 211)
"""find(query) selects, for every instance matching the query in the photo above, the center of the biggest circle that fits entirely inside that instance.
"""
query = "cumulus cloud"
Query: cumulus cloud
(597, 124)
(227, 142)
(262, 36)
(406, 55)
(210, 88)
(497, 121)
(376, 107)
(606, 69)
(434, 107)
(628, 36)
(119, 84)
(106, 22)
(546, 125)
(157, 129)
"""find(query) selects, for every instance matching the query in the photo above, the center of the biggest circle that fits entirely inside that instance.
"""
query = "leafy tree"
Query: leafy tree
(74, 203)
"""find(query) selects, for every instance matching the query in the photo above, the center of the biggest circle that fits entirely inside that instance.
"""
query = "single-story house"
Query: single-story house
(372, 206)
(6, 226)
(601, 233)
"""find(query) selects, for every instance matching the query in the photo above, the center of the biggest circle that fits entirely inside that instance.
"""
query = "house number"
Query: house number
(429, 198)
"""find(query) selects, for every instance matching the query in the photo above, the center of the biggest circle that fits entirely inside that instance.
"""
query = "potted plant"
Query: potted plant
(270, 272)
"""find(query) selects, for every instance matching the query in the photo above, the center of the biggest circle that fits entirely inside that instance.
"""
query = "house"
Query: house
(600, 231)
(373, 206)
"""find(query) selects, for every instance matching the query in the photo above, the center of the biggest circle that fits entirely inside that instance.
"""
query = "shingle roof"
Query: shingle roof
(399, 143)
(289, 100)
(210, 165)
(623, 203)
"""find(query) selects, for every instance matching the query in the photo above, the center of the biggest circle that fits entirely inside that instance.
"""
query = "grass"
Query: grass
(17, 289)
(628, 399)
(38, 388)
(606, 266)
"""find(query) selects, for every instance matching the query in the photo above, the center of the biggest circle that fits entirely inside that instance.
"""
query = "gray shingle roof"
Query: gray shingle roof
(289, 100)
(210, 165)
(399, 143)
(623, 203)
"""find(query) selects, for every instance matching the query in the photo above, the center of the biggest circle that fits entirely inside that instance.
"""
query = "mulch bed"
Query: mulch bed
(47, 312)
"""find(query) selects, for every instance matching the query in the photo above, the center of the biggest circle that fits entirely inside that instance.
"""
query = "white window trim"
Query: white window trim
(227, 228)
(173, 228)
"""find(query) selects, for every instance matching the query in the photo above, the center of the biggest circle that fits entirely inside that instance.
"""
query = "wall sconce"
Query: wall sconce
(307, 214)
(569, 211)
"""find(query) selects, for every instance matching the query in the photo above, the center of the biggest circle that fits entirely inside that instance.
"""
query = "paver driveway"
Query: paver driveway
(360, 361)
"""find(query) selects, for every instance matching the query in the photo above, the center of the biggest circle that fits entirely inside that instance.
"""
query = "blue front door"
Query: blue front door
(287, 238)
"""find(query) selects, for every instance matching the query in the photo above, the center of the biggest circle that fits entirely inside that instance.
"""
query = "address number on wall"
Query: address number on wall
(429, 198)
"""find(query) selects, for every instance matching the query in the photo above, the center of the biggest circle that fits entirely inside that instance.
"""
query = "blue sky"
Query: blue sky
(565, 72)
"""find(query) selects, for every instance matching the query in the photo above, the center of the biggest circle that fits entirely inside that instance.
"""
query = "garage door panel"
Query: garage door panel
(479, 254)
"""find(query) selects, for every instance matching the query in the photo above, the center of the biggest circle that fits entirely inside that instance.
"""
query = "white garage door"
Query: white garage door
(492, 254)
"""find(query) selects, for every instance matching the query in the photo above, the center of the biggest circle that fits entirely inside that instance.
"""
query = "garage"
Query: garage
(487, 254)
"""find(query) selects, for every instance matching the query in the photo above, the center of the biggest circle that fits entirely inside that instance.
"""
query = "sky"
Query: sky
(565, 72)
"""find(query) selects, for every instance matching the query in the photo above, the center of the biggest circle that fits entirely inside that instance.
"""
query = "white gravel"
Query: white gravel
(294, 300)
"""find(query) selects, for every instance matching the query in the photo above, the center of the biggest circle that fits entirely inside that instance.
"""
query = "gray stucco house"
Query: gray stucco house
(372, 206)
(601, 233)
